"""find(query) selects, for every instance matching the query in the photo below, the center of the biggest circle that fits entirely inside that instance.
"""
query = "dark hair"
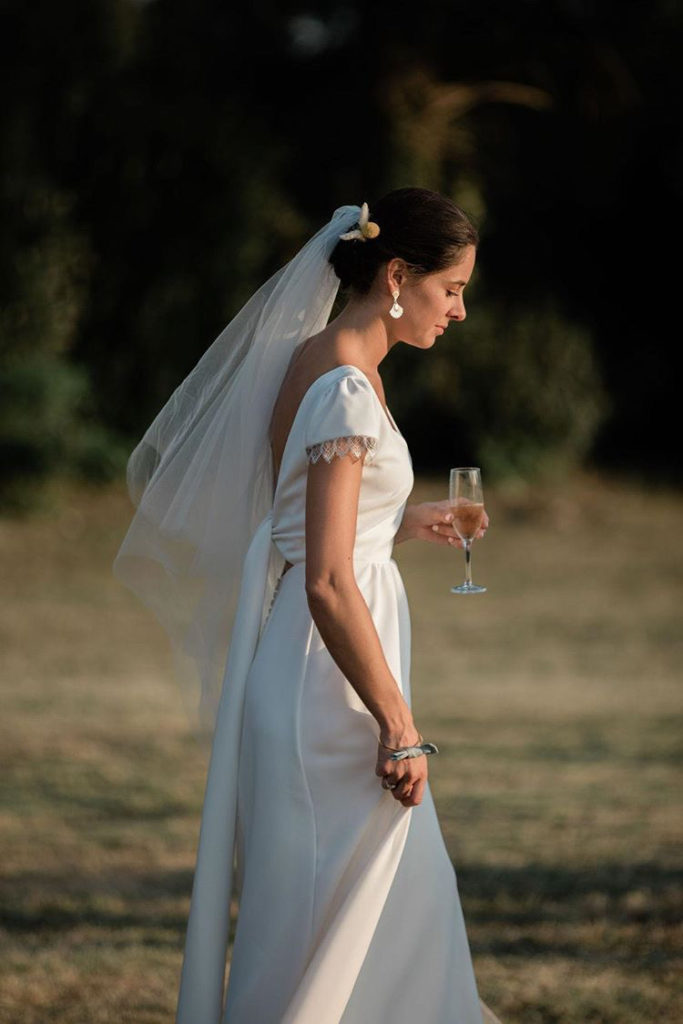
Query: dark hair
(424, 228)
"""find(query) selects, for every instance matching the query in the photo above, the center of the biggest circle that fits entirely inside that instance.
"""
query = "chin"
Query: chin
(426, 341)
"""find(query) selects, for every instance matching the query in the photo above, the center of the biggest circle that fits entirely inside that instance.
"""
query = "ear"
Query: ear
(396, 273)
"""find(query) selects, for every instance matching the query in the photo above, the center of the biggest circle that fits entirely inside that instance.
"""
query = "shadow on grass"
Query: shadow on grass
(531, 910)
(617, 913)
(36, 901)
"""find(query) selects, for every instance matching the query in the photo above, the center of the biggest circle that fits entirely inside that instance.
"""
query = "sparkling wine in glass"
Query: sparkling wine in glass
(466, 499)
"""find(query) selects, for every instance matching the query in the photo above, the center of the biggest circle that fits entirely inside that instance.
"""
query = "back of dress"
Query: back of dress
(331, 868)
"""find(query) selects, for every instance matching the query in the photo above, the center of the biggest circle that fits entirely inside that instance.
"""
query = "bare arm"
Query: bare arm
(341, 613)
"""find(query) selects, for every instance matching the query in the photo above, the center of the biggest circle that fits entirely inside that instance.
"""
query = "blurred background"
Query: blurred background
(159, 161)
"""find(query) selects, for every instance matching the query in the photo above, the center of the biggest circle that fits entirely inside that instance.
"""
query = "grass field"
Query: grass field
(553, 697)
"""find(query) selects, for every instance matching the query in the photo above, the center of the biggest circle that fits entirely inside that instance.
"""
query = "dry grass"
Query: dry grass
(553, 698)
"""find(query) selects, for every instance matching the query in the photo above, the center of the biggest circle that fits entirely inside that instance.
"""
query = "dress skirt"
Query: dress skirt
(348, 910)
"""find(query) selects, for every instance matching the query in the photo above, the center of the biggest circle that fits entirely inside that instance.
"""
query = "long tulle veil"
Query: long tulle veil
(201, 477)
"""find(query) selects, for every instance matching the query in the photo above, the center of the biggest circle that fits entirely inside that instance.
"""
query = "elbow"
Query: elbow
(324, 592)
(319, 592)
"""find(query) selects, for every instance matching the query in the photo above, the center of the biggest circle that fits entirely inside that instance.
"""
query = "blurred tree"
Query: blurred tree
(49, 422)
(46, 409)
(188, 150)
(521, 395)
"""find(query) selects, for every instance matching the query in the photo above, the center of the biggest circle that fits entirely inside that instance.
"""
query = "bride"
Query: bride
(270, 492)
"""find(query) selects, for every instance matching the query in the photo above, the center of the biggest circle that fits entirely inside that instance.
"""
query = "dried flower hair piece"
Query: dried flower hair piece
(366, 228)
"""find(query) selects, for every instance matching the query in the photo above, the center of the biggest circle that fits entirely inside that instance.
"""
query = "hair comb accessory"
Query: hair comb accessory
(366, 228)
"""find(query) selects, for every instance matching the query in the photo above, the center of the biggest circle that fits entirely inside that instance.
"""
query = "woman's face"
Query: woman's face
(431, 302)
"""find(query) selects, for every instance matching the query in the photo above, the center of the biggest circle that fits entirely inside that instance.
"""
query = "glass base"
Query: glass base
(466, 588)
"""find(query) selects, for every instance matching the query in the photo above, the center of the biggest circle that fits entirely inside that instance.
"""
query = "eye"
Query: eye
(449, 293)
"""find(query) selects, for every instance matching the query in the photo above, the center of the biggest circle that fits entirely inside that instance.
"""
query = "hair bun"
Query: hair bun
(424, 228)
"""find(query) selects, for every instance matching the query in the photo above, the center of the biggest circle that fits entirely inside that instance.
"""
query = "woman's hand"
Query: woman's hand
(405, 779)
(432, 521)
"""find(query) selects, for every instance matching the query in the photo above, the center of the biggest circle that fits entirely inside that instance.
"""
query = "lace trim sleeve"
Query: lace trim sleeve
(356, 444)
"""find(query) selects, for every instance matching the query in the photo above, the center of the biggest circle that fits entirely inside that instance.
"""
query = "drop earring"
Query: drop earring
(396, 311)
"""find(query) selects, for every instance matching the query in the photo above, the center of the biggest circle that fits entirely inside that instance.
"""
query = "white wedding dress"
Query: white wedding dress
(349, 911)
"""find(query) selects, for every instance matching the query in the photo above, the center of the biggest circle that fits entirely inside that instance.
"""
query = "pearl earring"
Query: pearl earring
(396, 311)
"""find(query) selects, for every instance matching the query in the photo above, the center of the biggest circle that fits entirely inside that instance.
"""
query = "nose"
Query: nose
(457, 310)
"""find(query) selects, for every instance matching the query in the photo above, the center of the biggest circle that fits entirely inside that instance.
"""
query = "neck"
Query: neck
(360, 334)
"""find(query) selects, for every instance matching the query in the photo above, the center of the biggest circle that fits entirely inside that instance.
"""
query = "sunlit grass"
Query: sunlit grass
(553, 698)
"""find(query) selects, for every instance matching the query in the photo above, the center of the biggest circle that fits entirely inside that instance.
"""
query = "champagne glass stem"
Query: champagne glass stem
(467, 545)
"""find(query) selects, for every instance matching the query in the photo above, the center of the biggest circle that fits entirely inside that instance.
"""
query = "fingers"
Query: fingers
(406, 786)
(484, 526)
(443, 533)
(405, 779)
(414, 796)
(409, 791)
(402, 788)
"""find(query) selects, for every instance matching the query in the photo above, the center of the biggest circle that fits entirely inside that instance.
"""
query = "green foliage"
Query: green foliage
(154, 177)
(517, 386)
(98, 454)
(45, 276)
(48, 424)
(529, 389)
(46, 429)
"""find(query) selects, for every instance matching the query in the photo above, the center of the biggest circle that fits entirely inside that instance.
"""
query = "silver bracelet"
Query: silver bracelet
(403, 752)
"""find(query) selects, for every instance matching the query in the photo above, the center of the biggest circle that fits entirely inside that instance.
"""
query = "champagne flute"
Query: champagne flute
(466, 499)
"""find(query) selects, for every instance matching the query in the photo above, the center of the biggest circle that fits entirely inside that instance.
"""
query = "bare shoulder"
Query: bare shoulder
(309, 360)
(312, 358)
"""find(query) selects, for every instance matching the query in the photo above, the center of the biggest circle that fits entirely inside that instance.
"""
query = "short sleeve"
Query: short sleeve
(344, 417)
